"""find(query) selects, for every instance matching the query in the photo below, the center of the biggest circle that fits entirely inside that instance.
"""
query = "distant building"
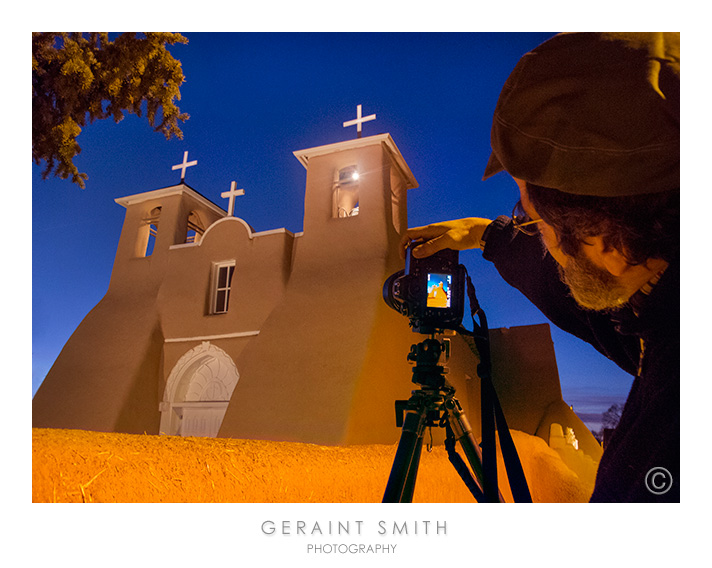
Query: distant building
(209, 328)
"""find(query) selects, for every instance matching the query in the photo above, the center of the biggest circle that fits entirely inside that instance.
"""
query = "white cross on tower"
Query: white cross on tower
(186, 164)
(358, 121)
(231, 195)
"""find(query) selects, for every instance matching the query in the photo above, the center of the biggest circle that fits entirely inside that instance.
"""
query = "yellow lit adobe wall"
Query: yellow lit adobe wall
(81, 466)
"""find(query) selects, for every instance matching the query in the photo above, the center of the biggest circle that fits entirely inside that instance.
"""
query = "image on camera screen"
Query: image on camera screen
(439, 290)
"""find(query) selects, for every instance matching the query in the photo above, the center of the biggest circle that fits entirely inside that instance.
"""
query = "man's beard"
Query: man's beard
(592, 287)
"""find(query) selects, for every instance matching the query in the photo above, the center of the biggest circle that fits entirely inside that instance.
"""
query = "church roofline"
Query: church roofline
(385, 139)
(167, 191)
(251, 233)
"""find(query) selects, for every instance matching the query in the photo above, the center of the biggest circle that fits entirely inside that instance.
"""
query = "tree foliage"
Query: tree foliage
(612, 416)
(609, 421)
(81, 77)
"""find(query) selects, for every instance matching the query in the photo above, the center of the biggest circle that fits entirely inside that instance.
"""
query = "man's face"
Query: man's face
(591, 285)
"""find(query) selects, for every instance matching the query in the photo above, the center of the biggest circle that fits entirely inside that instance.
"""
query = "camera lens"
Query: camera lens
(391, 291)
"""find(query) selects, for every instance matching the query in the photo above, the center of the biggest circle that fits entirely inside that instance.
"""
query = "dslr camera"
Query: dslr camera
(430, 291)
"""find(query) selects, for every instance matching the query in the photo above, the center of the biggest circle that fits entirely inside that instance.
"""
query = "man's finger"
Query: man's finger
(421, 234)
(432, 246)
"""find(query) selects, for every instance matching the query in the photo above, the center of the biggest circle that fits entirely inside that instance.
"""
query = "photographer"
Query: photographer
(588, 126)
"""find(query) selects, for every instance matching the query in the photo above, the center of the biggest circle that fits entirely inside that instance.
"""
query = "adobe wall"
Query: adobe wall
(105, 378)
(526, 378)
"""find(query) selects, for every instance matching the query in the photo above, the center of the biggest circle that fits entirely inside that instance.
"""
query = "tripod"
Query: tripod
(434, 404)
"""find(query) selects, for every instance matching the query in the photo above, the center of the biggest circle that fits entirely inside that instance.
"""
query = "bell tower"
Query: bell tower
(355, 204)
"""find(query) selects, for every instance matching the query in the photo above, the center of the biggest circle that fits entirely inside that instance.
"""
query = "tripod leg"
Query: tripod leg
(463, 434)
(401, 482)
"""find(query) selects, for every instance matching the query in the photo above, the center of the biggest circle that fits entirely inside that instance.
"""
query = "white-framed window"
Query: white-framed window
(221, 286)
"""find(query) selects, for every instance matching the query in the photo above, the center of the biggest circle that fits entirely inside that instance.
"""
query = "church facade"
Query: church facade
(209, 328)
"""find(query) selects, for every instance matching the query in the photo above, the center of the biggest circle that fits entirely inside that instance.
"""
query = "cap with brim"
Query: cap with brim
(593, 114)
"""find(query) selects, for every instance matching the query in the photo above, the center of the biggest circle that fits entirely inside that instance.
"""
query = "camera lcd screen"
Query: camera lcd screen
(439, 290)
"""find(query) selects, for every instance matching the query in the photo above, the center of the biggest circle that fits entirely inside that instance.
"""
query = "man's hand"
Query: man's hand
(459, 234)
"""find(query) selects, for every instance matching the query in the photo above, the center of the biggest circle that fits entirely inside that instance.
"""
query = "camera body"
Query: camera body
(430, 291)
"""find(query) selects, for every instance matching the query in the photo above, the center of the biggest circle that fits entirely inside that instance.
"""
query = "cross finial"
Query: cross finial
(358, 121)
(231, 195)
(186, 164)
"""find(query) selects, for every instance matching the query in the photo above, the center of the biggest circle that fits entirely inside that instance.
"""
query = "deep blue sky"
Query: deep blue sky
(253, 99)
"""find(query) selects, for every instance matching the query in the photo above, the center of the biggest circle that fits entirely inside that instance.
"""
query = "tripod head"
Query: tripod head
(429, 375)
(427, 355)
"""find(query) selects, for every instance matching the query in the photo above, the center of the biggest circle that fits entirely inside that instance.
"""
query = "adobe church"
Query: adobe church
(209, 328)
